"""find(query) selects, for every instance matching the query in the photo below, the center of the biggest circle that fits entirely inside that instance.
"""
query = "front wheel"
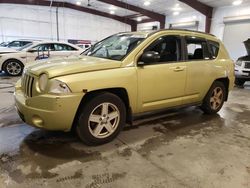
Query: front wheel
(101, 119)
(13, 67)
(214, 99)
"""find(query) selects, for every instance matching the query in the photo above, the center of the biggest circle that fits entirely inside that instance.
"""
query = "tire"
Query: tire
(239, 82)
(214, 99)
(94, 124)
(13, 67)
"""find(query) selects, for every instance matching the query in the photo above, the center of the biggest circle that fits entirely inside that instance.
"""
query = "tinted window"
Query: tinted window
(197, 49)
(214, 49)
(43, 47)
(168, 47)
(18, 43)
(63, 47)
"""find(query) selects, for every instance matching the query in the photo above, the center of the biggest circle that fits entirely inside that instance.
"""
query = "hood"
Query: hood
(247, 46)
(71, 65)
(6, 50)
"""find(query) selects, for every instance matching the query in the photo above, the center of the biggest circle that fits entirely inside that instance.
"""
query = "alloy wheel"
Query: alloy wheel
(13, 68)
(217, 98)
(104, 120)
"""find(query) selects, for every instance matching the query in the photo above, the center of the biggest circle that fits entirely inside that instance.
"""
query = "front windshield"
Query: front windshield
(25, 46)
(115, 47)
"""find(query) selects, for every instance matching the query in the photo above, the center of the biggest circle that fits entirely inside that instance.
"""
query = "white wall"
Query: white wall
(218, 26)
(39, 22)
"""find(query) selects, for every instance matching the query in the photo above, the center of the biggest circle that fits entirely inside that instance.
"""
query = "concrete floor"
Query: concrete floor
(181, 148)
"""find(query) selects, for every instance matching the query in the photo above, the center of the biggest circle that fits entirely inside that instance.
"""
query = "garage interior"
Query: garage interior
(174, 148)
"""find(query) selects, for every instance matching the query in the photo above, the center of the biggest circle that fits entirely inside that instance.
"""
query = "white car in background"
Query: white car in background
(12, 63)
(84, 46)
(14, 45)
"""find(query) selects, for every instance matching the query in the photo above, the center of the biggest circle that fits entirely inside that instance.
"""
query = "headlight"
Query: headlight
(238, 63)
(58, 87)
(43, 81)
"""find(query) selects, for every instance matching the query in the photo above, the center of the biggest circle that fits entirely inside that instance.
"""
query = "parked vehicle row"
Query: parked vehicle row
(125, 75)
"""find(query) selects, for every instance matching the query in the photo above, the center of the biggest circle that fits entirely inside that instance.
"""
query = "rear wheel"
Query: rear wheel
(101, 119)
(13, 67)
(239, 82)
(214, 99)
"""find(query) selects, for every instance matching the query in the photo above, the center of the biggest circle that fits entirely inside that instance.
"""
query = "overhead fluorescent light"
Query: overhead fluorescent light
(176, 13)
(112, 7)
(237, 2)
(147, 3)
(112, 12)
(139, 19)
(177, 7)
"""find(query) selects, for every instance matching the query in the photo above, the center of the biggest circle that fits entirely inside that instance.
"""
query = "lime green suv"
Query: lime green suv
(100, 91)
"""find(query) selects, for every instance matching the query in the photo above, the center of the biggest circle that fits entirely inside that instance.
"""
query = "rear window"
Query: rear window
(197, 49)
(214, 49)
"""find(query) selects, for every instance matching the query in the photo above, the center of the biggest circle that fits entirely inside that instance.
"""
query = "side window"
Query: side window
(14, 44)
(197, 49)
(43, 47)
(214, 48)
(63, 47)
(168, 47)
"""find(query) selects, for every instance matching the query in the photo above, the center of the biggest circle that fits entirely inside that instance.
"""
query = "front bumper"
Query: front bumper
(242, 73)
(48, 112)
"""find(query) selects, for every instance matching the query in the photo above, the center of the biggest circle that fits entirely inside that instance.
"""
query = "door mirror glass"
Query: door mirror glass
(149, 57)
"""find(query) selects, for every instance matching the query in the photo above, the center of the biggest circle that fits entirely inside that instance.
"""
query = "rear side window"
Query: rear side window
(63, 47)
(214, 49)
(197, 49)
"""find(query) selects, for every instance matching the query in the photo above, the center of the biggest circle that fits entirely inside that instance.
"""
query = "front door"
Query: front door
(161, 84)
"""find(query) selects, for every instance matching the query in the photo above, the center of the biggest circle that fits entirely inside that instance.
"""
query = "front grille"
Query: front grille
(27, 85)
(247, 65)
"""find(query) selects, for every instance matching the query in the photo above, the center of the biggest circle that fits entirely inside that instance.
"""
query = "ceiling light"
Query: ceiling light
(237, 2)
(78, 2)
(139, 19)
(112, 12)
(176, 8)
(147, 3)
(176, 13)
(112, 7)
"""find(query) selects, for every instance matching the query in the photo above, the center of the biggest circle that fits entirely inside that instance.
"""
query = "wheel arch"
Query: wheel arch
(225, 82)
(14, 59)
(120, 92)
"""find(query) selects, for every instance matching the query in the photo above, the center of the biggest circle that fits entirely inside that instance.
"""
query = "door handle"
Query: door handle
(178, 68)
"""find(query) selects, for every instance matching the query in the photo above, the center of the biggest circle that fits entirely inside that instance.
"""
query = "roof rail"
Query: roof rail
(172, 29)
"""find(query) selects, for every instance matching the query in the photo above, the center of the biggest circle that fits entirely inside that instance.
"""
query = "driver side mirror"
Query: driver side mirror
(149, 57)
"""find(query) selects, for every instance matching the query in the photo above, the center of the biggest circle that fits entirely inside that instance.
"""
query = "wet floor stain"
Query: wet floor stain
(101, 179)
(42, 151)
(127, 152)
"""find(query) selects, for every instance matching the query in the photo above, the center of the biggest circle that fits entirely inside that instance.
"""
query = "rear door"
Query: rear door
(199, 69)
